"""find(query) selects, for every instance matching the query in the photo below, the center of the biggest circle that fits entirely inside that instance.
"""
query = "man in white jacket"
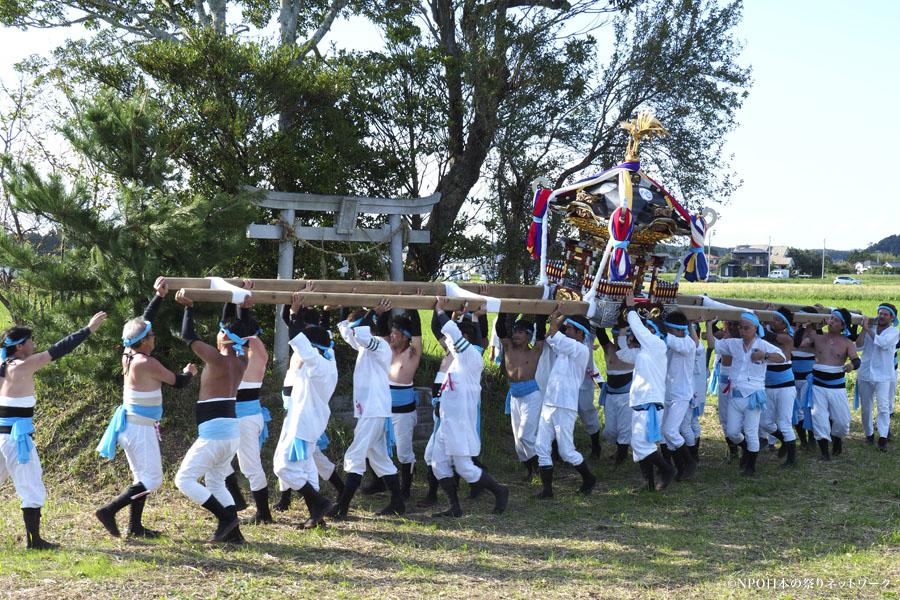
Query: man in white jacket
(560, 408)
(876, 371)
(681, 349)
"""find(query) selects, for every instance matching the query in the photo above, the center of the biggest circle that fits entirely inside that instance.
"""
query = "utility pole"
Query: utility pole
(823, 258)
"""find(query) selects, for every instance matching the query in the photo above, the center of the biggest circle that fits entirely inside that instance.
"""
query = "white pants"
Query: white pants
(249, 460)
(617, 428)
(673, 422)
(723, 408)
(211, 460)
(587, 409)
(525, 416)
(295, 474)
(879, 391)
(369, 442)
(443, 464)
(27, 478)
(686, 430)
(640, 447)
(142, 451)
(324, 466)
(830, 404)
(404, 427)
(779, 412)
(559, 424)
(743, 423)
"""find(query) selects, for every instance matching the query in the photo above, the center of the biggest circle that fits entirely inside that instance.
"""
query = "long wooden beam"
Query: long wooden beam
(512, 305)
(701, 313)
(495, 290)
(752, 304)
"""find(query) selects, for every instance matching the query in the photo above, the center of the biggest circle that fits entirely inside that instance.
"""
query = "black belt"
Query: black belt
(287, 390)
(619, 380)
(16, 411)
(207, 411)
(406, 408)
(248, 394)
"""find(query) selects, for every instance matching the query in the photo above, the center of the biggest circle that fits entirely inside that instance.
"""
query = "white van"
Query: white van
(779, 274)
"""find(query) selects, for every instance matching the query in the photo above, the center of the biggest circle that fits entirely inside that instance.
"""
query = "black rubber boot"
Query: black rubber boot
(531, 468)
(646, 466)
(870, 439)
(449, 486)
(694, 451)
(107, 514)
(690, 467)
(743, 462)
(263, 515)
(750, 466)
(666, 454)
(790, 450)
(882, 444)
(375, 484)
(397, 506)
(336, 482)
(430, 498)
(588, 479)
(227, 519)
(763, 443)
(32, 518)
(340, 509)
(621, 453)
(231, 484)
(317, 504)
(136, 529)
(234, 537)
(406, 475)
(546, 482)
(801, 435)
(595, 445)
(823, 448)
(500, 492)
(666, 471)
(284, 502)
(837, 445)
(678, 460)
(732, 450)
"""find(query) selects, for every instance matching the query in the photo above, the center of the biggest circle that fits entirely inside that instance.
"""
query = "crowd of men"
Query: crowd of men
(774, 383)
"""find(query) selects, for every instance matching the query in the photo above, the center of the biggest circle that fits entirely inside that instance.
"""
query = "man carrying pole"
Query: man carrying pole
(878, 343)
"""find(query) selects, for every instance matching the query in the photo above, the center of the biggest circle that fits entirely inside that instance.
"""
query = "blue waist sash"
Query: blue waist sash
(298, 450)
(802, 366)
(248, 408)
(222, 428)
(807, 403)
(856, 395)
(109, 441)
(389, 436)
(403, 396)
(755, 400)
(779, 378)
(714, 379)
(608, 389)
(796, 412)
(652, 420)
(20, 432)
(520, 389)
(323, 441)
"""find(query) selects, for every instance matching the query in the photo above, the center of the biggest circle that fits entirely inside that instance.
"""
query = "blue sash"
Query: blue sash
(520, 389)
(774, 378)
(389, 436)
(795, 413)
(404, 396)
(714, 379)
(248, 408)
(755, 400)
(802, 365)
(856, 395)
(323, 441)
(298, 450)
(807, 403)
(221, 428)
(22, 428)
(109, 441)
(652, 421)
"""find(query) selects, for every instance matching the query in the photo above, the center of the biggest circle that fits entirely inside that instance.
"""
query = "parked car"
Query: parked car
(846, 280)
(779, 274)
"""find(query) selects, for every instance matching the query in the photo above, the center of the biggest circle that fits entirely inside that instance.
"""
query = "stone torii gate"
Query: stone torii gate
(347, 210)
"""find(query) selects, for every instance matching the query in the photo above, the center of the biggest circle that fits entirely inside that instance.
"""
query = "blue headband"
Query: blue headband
(893, 314)
(615, 331)
(356, 323)
(578, 325)
(238, 341)
(846, 331)
(523, 328)
(8, 343)
(674, 326)
(753, 319)
(656, 331)
(128, 342)
(327, 350)
(790, 329)
(403, 331)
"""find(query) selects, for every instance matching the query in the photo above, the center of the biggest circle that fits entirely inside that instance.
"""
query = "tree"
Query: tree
(114, 241)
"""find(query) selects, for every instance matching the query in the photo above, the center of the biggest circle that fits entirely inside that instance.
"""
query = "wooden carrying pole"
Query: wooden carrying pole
(701, 313)
(752, 304)
(495, 290)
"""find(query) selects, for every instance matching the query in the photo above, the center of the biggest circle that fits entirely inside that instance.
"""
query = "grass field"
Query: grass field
(821, 530)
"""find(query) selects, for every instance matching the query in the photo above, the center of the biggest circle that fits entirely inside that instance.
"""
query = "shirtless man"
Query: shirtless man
(781, 393)
(19, 456)
(404, 336)
(828, 394)
(135, 425)
(219, 431)
(523, 402)
(876, 375)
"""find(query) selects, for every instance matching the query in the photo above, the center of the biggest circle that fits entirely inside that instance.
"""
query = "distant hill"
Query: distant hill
(890, 244)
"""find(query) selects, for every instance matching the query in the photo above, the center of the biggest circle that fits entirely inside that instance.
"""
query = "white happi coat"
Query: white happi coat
(648, 383)
(570, 364)
(371, 389)
(314, 383)
(461, 396)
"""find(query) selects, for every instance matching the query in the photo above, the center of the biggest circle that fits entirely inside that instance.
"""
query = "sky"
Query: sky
(817, 139)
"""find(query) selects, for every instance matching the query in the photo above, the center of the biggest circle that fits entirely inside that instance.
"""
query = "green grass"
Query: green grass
(819, 526)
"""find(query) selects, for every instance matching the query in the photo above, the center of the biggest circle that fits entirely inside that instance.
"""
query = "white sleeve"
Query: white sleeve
(563, 344)
(770, 348)
(348, 334)
(680, 345)
(887, 339)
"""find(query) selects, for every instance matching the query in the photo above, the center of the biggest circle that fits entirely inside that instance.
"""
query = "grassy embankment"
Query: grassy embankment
(831, 530)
